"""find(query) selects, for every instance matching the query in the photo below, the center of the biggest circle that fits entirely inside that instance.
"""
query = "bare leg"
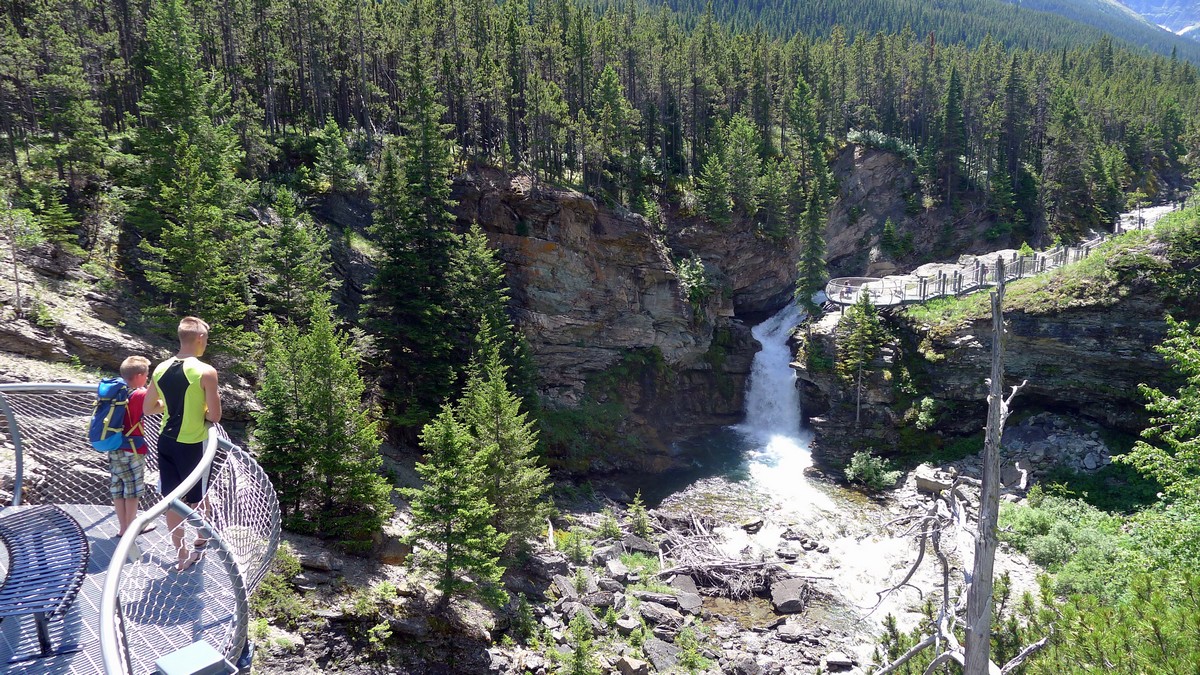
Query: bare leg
(175, 525)
(131, 509)
(122, 517)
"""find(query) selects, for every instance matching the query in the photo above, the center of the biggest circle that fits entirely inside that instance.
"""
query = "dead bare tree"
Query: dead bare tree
(949, 511)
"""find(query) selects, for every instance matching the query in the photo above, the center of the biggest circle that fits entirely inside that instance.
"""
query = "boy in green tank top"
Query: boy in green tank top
(184, 389)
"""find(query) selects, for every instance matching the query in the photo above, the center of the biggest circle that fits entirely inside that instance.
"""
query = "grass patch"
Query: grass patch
(361, 244)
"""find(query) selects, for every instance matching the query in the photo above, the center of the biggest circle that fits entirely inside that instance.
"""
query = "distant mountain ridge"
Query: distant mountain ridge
(1181, 17)
(1035, 24)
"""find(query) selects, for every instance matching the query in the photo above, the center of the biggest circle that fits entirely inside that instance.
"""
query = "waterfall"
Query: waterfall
(772, 399)
(777, 447)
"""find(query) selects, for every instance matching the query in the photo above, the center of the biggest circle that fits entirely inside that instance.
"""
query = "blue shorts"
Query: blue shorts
(175, 462)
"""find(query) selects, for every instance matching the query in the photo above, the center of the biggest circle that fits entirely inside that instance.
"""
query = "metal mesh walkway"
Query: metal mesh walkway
(155, 609)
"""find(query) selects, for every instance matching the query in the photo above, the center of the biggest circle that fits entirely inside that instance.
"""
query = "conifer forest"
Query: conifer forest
(291, 171)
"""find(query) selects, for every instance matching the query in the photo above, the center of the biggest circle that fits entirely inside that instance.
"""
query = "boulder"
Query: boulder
(627, 624)
(661, 598)
(837, 661)
(659, 615)
(566, 587)
(690, 603)
(1092, 461)
(929, 479)
(601, 599)
(684, 582)
(663, 655)
(322, 562)
(789, 596)
(546, 564)
(753, 526)
(744, 664)
(790, 632)
(629, 666)
(636, 544)
(617, 570)
(604, 554)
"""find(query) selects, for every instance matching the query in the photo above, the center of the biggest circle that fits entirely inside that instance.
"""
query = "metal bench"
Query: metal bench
(47, 560)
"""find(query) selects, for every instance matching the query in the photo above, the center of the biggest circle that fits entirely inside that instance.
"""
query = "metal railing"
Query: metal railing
(146, 610)
(983, 272)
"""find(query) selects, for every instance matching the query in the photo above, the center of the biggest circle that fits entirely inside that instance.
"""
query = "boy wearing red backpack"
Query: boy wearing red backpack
(128, 463)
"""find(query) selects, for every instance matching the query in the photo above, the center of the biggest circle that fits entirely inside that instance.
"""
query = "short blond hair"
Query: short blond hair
(191, 328)
(134, 366)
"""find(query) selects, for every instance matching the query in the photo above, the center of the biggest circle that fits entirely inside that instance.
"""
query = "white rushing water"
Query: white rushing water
(778, 446)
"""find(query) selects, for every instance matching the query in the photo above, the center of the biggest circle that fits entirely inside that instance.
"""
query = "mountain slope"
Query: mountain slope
(1121, 21)
(1037, 24)
(1175, 15)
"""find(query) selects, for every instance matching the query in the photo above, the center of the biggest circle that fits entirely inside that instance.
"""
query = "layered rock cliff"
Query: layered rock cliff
(597, 292)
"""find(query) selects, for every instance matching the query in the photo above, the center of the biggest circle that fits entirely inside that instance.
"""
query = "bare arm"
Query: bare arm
(212, 398)
(152, 404)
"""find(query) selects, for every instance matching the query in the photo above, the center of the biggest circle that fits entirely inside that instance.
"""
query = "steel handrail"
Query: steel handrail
(110, 645)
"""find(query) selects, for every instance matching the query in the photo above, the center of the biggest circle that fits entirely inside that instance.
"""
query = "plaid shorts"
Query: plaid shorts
(128, 474)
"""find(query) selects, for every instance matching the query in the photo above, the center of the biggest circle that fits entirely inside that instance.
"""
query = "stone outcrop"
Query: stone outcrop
(1085, 362)
(596, 289)
(876, 185)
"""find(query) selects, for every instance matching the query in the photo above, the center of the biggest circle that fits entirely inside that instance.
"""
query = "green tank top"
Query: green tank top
(178, 384)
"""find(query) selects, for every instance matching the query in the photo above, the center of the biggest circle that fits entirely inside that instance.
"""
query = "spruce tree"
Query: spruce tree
(743, 163)
(59, 226)
(451, 516)
(773, 218)
(1067, 199)
(332, 168)
(713, 191)
(952, 137)
(811, 265)
(505, 441)
(1169, 450)
(407, 300)
(194, 261)
(181, 100)
(292, 261)
(478, 298)
(315, 436)
(859, 337)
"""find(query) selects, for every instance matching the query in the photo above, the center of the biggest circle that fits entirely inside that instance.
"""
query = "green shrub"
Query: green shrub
(609, 527)
(275, 598)
(1084, 547)
(870, 471)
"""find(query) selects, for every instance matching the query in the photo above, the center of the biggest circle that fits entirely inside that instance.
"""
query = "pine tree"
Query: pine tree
(413, 224)
(811, 266)
(193, 261)
(859, 337)
(292, 261)
(332, 168)
(450, 512)
(315, 437)
(505, 442)
(713, 190)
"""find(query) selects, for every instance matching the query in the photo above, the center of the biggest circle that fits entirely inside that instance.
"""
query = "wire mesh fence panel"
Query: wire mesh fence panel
(226, 545)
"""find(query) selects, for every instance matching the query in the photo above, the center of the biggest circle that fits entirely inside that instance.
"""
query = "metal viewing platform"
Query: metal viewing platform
(975, 273)
(133, 607)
